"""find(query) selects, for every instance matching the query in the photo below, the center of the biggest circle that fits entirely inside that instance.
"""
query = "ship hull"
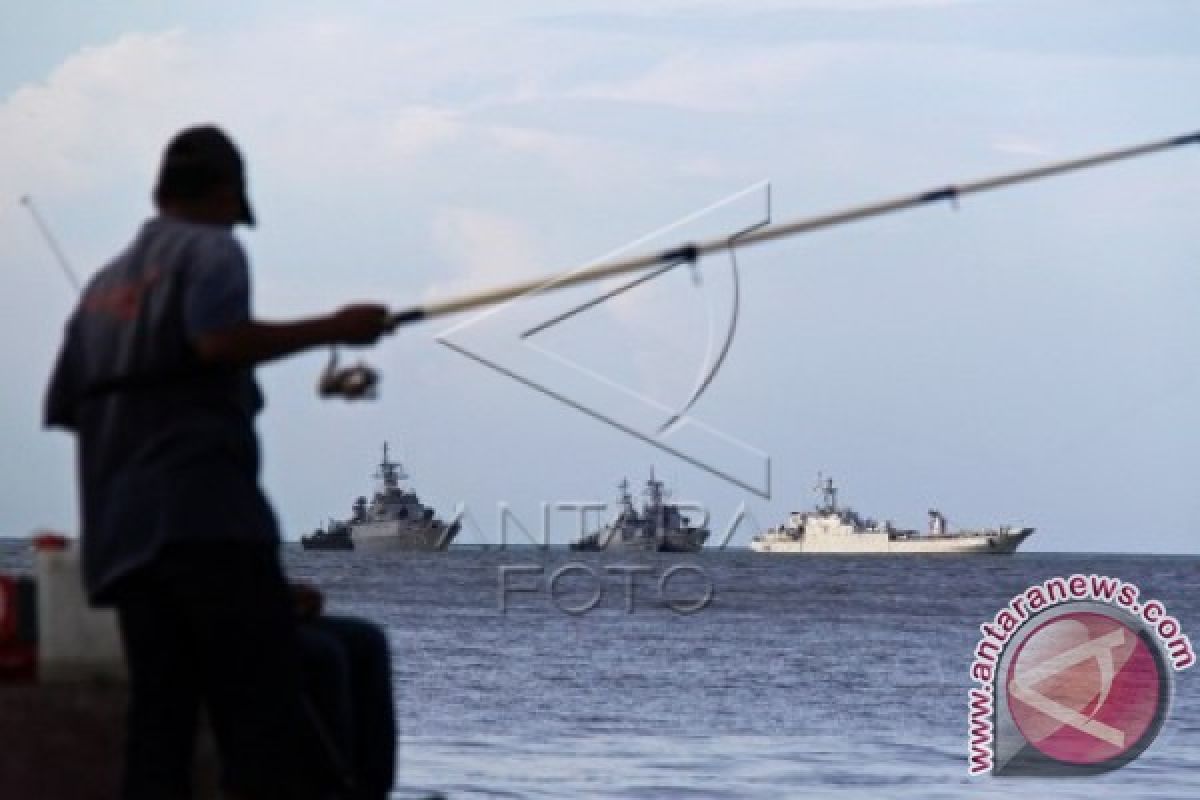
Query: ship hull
(885, 544)
(681, 542)
(317, 542)
(392, 536)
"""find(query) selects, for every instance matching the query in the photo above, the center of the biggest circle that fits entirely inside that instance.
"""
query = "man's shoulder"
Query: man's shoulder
(168, 243)
(205, 240)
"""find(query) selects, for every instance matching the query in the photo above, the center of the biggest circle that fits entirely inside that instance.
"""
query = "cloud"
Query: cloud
(586, 161)
(753, 6)
(383, 133)
(1019, 146)
(740, 81)
(485, 247)
(102, 117)
(93, 115)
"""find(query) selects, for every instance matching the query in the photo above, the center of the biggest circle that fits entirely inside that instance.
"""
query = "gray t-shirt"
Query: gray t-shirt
(166, 444)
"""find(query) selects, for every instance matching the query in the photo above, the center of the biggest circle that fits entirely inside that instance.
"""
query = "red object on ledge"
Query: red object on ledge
(18, 646)
(49, 541)
(8, 608)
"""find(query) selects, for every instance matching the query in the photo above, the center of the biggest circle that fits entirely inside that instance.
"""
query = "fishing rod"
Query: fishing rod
(692, 252)
(52, 242)
(360, 380)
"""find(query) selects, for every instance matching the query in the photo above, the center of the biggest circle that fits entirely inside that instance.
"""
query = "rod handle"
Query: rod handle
(405, 317)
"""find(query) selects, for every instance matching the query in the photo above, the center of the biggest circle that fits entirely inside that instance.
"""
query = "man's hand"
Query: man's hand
(359, 324)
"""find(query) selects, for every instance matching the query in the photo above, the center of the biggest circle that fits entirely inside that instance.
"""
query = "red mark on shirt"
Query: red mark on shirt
(123, 300)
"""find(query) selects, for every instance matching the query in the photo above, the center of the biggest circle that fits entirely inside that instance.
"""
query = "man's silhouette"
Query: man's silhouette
(155, 377)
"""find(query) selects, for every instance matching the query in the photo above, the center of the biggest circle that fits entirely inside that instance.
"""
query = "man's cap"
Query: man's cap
(196, 160)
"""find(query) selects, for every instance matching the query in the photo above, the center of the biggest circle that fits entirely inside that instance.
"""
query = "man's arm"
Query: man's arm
(253, 342)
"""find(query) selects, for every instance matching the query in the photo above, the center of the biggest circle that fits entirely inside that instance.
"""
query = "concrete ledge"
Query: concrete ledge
(66, 742)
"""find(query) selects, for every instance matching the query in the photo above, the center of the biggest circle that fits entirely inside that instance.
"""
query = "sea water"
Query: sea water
(805, 676)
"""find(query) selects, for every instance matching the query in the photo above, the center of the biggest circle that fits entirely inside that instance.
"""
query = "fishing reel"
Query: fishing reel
(355, 382)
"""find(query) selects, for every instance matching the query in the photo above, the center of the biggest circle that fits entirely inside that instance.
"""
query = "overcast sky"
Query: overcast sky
(1028, 358)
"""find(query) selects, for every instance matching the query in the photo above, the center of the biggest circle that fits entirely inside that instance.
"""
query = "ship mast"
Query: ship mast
(390, 472)
(828, 494)
(625, 498)
(654, 508)
(654, 491)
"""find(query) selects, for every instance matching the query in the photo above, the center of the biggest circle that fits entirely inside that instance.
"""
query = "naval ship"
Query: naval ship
(395, 519)
(830, 529)
(659, 527)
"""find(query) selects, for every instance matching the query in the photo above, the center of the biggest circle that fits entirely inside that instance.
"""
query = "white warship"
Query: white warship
(830, 529)
(660, 526)
(395, 519)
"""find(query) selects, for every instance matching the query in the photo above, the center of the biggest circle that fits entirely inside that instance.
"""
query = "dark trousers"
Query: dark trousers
(213, 627)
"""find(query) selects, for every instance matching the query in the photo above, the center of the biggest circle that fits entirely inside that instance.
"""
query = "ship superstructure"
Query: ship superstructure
(394, 519)
(659, 526)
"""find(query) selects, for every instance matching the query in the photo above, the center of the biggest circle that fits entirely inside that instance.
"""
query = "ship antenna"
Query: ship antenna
(654, 489)
(827, 491)
(390, 472)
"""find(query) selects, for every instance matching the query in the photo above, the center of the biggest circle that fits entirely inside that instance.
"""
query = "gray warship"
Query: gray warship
(395, 519)
(658, 527)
